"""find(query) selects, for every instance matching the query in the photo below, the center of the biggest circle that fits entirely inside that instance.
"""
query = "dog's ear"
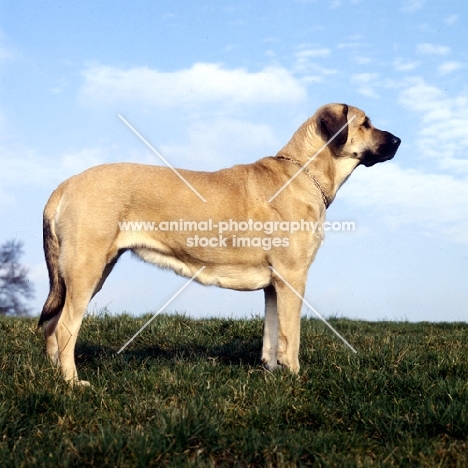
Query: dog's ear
(330, 120)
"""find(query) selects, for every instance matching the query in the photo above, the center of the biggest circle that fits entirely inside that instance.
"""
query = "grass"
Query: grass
(192, 393)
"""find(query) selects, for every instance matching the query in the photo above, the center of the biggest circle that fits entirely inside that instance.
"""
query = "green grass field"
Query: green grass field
(192, 393)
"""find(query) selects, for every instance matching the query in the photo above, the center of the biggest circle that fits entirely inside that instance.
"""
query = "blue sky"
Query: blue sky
(211, 84)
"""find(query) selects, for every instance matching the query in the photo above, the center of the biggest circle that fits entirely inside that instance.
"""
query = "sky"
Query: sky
(211, 84)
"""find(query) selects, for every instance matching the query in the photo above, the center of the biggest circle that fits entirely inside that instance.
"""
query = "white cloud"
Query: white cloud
(26, 169)
(353, 44)
(76, 162)
(23, 169)
(208, 145)
(23, 166)
(436, 203)
(203, 83)
(305, 64)
(38, 273)
(312, 79)
(361, 60)
(59, 86)
(450, 19)
(449, 67)
(359, 53)
(313, 53)
(6, 199)
(222, 143)
(432, 200)
(403, 65)
(365, 78)
(432, 49)
(420, 96)
(412, 5)
(368, 92)
(311, 69)
(5, 130)
(5, 53)
(366, 83)
(443, 134)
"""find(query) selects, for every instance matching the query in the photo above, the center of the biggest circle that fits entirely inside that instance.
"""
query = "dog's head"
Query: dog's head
(348, 133)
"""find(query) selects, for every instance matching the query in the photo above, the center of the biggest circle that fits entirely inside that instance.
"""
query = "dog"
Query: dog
(83, 235)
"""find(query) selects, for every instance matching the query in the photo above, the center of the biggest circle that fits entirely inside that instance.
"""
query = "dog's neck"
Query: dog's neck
(325, 198)
(329, 172)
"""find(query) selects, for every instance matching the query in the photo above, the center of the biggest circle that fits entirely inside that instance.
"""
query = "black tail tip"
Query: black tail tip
(45, 317)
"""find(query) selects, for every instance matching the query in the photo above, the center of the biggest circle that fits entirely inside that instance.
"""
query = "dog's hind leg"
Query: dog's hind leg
(83, 276)
(51, 340)
(270, 330)
(107, 271)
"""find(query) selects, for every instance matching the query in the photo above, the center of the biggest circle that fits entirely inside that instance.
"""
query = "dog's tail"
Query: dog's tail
(56, 298)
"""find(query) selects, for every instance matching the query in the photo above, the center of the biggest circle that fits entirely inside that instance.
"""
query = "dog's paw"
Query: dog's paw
(79, 383)
(291, 365)
(83, 383)
(271, 365)
(53, 356)
(293, 368)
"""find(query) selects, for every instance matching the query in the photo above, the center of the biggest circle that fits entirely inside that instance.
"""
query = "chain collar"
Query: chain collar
(325, 199)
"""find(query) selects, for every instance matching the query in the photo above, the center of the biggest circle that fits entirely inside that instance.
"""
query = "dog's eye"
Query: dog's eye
(366, 123)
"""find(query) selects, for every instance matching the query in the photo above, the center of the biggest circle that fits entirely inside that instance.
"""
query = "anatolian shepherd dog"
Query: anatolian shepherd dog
(83, 219)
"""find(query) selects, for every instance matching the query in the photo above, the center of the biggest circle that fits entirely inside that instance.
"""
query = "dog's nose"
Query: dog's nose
(396, 141)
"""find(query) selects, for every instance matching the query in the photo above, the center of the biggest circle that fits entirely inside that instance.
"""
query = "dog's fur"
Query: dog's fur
(82, 239)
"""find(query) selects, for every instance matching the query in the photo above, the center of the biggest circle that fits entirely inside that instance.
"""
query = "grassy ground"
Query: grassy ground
(193, 393)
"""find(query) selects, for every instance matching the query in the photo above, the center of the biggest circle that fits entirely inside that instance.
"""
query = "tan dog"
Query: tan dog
(85, 231)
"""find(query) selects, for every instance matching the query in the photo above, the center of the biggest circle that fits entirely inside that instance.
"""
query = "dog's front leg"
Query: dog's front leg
(289, 319)
(270, 330)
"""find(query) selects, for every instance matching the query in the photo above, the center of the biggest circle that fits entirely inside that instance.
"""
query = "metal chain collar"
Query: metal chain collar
(325, 199)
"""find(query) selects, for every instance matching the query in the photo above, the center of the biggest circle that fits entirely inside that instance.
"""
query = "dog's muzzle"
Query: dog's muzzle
(385, 151)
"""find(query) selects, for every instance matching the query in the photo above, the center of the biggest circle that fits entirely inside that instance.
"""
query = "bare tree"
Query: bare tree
(14, 284)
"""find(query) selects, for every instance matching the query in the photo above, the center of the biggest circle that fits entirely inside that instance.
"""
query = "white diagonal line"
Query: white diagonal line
(160, 310)
(160, 157)
(311, 159)
(314, 311)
